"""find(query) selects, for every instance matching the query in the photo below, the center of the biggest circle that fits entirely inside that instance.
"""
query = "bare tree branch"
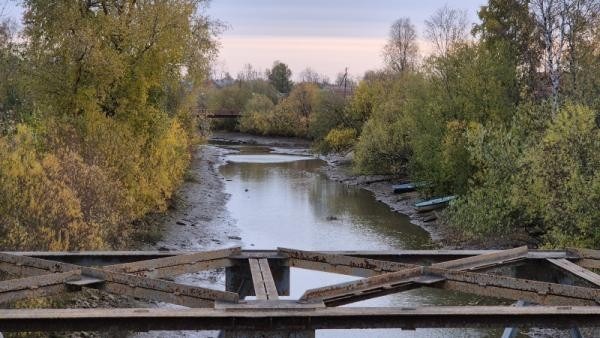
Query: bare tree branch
(445, 28)
(401, 52)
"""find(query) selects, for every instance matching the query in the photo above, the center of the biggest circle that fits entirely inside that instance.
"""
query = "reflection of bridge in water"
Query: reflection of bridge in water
(565, 292)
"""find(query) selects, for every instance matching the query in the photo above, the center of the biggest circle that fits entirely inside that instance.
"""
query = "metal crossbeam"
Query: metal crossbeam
(297, 319)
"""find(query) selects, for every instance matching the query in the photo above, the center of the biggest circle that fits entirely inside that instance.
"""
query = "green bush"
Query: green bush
(563, 181)
(340, 139)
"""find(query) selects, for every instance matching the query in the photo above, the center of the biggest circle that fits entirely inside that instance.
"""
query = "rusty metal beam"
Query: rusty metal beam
(296, 319)
(178, 265)
(333, 263)
(39, 286)
(514, 288)
(349, 292)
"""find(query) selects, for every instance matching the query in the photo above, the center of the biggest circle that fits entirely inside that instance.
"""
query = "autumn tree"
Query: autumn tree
(401, 51)
(510, 25)
(112, 84)
(115, 57)
(280, 77)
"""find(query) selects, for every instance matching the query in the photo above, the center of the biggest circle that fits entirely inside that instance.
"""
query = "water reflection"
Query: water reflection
(279, 200)
(291, 203)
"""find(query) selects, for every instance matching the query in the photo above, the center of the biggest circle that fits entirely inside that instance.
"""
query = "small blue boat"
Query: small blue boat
(404, 188)
(408, 187)
(433, 204)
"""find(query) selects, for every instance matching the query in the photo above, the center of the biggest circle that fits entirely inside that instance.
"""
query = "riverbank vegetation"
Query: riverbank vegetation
(504, 114)
(95, 122)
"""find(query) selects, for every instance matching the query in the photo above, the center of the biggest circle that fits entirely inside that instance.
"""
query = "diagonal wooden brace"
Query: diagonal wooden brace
(485, 260)
(577, 270)
(347, 265)
(178, 265)
(375, 286)
(38, 286)
(514, 288)
(125, 284)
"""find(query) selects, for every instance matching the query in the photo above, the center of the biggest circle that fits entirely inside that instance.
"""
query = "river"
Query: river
(280, 200)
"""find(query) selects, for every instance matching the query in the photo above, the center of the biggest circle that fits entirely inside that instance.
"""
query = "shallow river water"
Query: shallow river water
(284, 201)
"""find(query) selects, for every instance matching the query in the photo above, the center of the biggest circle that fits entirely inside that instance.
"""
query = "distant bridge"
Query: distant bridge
(559, 281)
(219, 114)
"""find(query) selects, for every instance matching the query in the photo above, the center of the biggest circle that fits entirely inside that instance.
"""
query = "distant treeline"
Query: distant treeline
(95, 123)
(504, 114)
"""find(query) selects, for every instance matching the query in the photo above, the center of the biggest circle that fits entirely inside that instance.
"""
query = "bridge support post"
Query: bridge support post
(238, 278)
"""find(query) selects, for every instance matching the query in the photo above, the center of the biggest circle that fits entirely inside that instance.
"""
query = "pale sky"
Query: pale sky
(326, 35)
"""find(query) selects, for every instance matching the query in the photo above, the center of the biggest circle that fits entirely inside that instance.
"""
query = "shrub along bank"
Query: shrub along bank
(97, 130)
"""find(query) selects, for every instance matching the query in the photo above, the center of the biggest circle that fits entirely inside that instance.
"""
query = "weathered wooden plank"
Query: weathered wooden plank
(270, 287)
(576, 270)
(376, 285)
(589, 263)
(588, 258)
(178, 265)
(257, 279)
(38, 286)
(484, 260)
(514, 288)
(347, 265)
(28, 266)
(297, 319)
(585, 253)
(262, 279)
(131, 285)
(155, 289)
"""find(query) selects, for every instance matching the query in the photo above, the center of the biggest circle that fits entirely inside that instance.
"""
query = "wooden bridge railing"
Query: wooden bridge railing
(565, 292)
